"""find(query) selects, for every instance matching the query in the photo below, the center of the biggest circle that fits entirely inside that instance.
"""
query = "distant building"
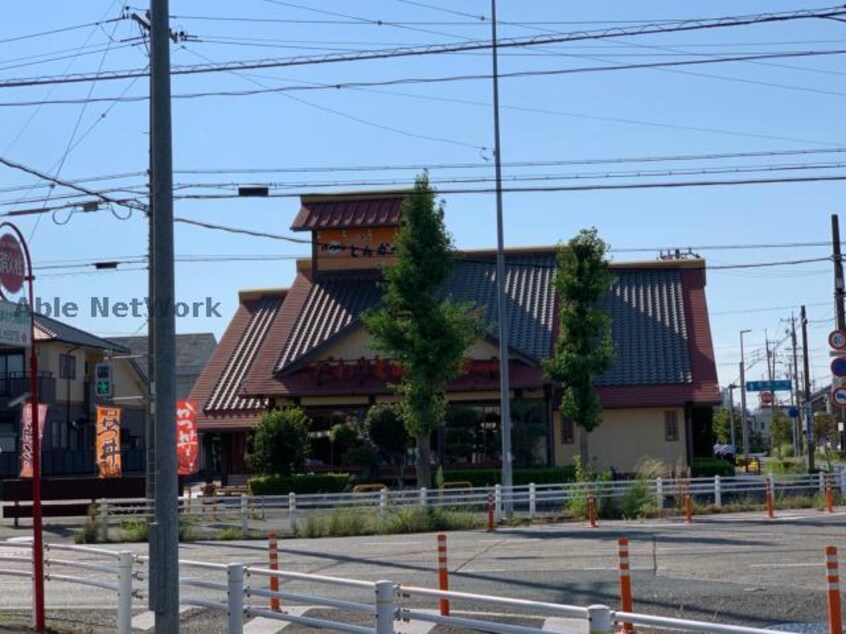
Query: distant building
(66, 360)
(193, 351)
(306, 346)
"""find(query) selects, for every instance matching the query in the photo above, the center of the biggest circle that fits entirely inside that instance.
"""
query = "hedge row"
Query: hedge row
(490, 477)
(709, 467)
(302, 483)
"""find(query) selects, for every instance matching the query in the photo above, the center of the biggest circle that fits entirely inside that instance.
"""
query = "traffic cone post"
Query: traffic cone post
(443, 574)
(835, 622)
(625, 583)
(274, 565)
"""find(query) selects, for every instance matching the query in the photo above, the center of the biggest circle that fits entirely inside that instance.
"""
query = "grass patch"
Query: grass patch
(351, 522)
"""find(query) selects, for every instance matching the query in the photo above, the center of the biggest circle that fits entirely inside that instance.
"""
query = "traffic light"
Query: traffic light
(103, 385)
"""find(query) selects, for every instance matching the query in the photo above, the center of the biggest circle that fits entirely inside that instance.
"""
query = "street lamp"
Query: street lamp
(743, 426)
(731, 388)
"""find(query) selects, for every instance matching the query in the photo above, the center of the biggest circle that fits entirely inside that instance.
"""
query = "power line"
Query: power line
(30, 36)
(434, 49)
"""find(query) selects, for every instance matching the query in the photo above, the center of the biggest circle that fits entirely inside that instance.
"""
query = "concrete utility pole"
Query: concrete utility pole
(743, 426)
(164, 532)
(809, 416)
(504, 384)
(731, 415)
(796, 424)
(839, 310)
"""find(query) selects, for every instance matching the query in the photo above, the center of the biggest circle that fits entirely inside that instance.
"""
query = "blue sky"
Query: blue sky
(740, 107)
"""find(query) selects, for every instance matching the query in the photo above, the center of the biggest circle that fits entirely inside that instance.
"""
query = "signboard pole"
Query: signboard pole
(20, 270)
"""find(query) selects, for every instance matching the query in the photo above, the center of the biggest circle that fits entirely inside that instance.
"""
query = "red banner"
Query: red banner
(108, 442)
(187, 447)
(26, 436)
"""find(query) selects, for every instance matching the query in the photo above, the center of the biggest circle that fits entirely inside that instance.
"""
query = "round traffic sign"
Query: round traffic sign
(766, 399)
(837, 339)
(793, 412)
(838, 366)
(12, 267)
(838, 396)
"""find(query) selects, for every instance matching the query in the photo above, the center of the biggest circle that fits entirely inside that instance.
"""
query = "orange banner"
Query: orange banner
(26, 436)
(108, 442)
(187, 447)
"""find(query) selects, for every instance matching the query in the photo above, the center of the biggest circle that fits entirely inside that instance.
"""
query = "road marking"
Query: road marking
(565, 625)
(785, 565)
(264, 625)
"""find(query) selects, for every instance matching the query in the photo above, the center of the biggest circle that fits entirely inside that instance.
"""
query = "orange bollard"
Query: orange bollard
(443, 575)
(591, 510)
(688, 509)
(491, 526)
(835, 623)
(625, 583)
(274, 565)
(770, 513)
(829, 497)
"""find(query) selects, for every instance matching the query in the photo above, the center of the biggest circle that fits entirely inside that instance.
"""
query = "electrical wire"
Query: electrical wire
(436, 49)
(65, 29)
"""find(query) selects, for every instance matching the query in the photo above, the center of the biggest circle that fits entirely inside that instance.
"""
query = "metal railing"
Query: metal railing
(116, 575)
(531, 499)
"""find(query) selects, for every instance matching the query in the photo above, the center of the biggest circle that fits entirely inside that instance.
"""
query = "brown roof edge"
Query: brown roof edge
(355, 195)
(252, 294)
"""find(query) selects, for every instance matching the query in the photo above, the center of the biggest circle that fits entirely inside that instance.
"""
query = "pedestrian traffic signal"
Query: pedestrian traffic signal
(103, 386)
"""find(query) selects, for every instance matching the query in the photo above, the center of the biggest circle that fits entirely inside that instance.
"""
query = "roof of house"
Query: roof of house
(193, 350)
(342, 211)
(219, 384)
(660, 330)
(48, 329)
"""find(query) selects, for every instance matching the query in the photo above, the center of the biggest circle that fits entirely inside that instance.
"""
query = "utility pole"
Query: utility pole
(731, 416)
(797, 429)
(164, 533)
(743, 426)
(809, 416)
(839, 310)
(504, 384)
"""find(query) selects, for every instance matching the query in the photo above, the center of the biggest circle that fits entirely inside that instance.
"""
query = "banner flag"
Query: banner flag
(26, 435)
(108, 442)
(187, 446)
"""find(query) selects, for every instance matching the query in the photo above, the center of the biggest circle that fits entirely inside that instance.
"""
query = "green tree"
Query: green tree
(779, 431)
(825, 431)
(387, 432)
(280, 442)
(426, 334)
(722, 427)
(584, 349)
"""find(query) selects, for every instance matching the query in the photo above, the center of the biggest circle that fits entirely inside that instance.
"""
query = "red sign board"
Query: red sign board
(187, 447)
(766, 399)
(12, 265)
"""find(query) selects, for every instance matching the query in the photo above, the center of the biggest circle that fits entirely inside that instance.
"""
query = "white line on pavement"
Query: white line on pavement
(565, 625)
(815, 565)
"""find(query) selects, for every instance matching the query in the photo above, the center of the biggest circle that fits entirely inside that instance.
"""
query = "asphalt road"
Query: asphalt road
(742, 569)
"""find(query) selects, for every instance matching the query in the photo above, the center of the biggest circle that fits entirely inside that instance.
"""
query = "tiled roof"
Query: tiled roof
(380, 209)
(193, 350)
(219, 385)
(648, 329)
(330, 307)
(47, 329)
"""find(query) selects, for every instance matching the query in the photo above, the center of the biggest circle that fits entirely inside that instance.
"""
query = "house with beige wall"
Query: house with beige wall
(67, 357)
(305, 345)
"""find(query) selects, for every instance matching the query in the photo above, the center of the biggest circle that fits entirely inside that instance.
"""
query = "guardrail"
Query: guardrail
(115, 576)
(529, 499)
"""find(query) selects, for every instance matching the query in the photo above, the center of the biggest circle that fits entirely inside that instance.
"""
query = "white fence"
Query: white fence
(112, 571)
(529, 500)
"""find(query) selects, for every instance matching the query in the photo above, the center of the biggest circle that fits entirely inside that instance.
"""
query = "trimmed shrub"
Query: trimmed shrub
(490, 477)
(709, 467)
(300, 483)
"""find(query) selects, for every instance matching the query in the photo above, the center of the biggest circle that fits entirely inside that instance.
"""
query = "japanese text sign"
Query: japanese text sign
(26, 436)
(108, 442)
(187, 447)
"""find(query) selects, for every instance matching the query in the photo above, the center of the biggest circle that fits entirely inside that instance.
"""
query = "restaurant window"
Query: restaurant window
(567, 431)
(671, 426)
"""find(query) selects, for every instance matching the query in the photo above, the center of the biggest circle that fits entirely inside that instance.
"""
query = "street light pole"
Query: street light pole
(743, 426)
(731, 387)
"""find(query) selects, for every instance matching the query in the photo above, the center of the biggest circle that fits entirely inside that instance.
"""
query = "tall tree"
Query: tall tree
(425, 333)
(825, 431)
(722, 425)
(584, 349)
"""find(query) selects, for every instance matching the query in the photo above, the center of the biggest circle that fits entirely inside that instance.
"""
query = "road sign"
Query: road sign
(837, 339)
(838, 396)
(12, 265)
(768, 386)
(766, 399)
(793, 412)
(838, 367)
(15, 324)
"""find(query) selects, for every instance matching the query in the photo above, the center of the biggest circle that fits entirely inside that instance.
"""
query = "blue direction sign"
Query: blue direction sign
(768, 386)
(838, 367)
(793, 412)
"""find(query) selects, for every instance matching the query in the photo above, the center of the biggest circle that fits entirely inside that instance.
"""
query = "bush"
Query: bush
(709, 467)
(522, 477)
(280, 442)
(300, 483)
(428, 520)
